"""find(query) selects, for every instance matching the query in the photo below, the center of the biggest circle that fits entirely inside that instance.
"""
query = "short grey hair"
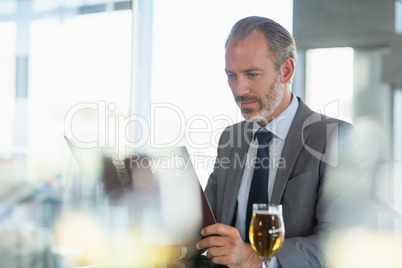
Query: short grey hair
(280, 41)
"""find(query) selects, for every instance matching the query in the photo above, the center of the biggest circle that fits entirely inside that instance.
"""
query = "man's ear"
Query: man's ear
(287, 70)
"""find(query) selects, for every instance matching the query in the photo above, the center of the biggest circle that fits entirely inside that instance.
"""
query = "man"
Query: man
(314, 165)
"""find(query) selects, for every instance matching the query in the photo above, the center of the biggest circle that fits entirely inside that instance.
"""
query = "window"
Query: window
(329, 81)
(59, 58)
(7, 85)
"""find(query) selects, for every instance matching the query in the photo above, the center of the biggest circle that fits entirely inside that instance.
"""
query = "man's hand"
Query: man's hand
(225, 246)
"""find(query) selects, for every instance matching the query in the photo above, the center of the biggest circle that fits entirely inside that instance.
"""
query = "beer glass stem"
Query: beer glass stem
(265, 264)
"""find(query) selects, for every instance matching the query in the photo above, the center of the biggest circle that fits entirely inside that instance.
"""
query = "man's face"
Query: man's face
(252, 77)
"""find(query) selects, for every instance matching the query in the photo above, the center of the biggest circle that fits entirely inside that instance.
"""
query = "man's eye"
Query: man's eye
(252, 75)
(231, 76)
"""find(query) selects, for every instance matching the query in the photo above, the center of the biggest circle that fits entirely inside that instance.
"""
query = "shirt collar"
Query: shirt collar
(280, 125)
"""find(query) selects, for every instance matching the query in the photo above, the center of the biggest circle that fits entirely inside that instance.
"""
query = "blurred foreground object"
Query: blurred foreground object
(365, 248)
(379, 243)
(26, 215)
(132, 212)
(26, 248)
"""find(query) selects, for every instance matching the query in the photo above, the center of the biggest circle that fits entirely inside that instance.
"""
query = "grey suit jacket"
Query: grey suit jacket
(318, 186)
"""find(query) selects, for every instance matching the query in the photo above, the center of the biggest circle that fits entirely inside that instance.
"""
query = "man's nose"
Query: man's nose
(242, 86)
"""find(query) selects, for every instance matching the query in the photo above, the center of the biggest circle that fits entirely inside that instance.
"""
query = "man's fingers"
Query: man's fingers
(218, 229)
(214, 229)
(211, 241)
(219, 251)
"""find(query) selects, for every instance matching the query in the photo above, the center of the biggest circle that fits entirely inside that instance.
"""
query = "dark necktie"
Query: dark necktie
(259, 184)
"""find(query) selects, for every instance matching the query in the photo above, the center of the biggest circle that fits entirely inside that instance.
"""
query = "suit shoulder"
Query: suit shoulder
(316, 122)
(309, 119)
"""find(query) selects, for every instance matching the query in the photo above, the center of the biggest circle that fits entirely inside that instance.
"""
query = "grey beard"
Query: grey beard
(272, 101)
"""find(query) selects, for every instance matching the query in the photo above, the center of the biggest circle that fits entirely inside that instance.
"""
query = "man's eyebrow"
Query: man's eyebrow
(249, 70)
(252, 70)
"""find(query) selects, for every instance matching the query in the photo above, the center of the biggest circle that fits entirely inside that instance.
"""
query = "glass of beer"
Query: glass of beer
(267, 231)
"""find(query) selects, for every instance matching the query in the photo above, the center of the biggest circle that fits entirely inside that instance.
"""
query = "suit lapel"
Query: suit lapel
(293, 145)
(235, 172)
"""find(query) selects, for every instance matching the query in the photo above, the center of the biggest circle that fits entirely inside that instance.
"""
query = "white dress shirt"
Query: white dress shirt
(280, 128)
